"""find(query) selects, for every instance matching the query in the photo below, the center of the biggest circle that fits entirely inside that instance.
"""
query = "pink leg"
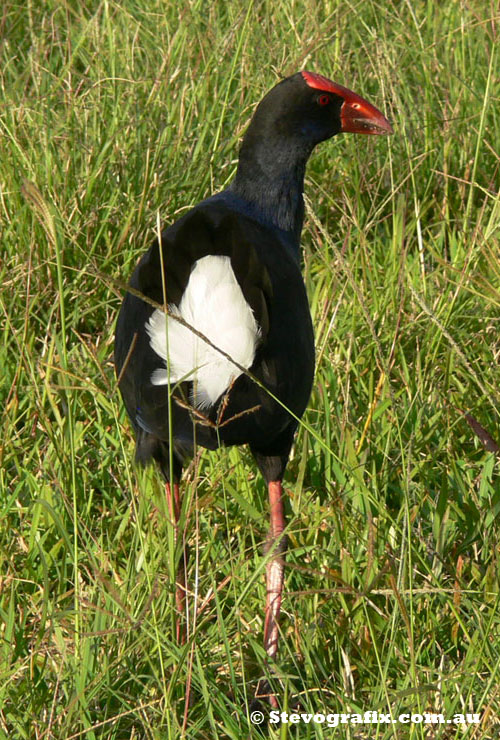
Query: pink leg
(274, 569)
(274, 584)
(174, 508)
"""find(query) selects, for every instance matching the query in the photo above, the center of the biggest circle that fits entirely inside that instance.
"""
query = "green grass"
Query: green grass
(115, 115)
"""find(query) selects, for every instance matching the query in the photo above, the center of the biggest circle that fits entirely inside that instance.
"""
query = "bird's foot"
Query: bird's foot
(264, 694)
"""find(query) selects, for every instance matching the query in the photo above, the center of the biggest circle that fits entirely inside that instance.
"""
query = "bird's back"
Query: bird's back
(215, 243)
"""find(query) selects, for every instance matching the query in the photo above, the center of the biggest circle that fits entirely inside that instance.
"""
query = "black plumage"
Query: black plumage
(271, 282)
(256, 223)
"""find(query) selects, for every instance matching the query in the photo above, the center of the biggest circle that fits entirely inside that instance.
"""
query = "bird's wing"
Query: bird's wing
(210, 276)
(216, 231)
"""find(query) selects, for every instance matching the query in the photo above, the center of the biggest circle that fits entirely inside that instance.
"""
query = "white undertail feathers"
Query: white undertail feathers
(213, 304)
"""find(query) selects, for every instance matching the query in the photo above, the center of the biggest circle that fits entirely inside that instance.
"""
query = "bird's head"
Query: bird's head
(313, 108)
(298, 113)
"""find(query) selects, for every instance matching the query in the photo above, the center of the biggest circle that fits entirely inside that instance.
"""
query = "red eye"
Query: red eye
(324, 99)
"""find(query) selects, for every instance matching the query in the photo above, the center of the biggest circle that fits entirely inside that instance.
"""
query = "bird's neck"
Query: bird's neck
(270, 179)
